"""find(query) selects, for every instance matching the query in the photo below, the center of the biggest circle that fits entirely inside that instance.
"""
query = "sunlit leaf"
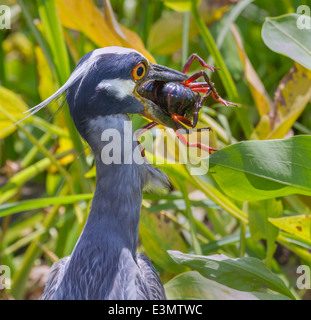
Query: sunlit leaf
(13, 105)
(193, 286)
(46, 80)
(296, 225)
(258, 91)
(85, 17)
(180, 5)
(255, 170)
(291, 98)
(282, 35)
(250, 274)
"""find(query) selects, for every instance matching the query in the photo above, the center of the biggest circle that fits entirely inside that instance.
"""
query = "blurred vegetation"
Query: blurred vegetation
(254, 204)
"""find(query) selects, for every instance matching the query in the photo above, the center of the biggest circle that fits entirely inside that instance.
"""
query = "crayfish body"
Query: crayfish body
(171, 97)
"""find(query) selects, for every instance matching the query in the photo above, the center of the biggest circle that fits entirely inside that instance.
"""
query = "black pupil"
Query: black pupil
(140, 71)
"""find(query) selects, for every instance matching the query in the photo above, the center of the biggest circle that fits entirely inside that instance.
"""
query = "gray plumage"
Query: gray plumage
(104, 263)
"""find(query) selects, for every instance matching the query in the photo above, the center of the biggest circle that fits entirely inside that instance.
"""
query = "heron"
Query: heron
(101, 95)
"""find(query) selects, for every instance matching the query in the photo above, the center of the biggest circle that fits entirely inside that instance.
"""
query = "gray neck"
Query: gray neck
(112, 225)
(116, 205)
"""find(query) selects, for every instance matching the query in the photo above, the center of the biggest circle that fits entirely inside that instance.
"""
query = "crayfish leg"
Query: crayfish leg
(201, 61)
(184, 140)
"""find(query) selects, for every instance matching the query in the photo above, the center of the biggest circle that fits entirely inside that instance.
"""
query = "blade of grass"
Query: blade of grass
(53, 30)
(195, 241)
(30, 156)
(56, 40)
(42, 43)
(11, 208)
(225, 76)
(185, 37)
(32, 253)
(40, 147)
(16, 182)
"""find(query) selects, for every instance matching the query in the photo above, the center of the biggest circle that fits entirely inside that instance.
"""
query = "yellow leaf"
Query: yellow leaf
(180, 5)
(14, 105)
(296, 225)
(64, 145)
(91, 173)
(291, 98)
(85, 17)
(258, 91)
(263, 128)
(46, 81)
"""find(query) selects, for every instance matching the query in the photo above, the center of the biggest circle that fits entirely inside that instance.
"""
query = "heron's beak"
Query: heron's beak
(151, 110)
(161, 73)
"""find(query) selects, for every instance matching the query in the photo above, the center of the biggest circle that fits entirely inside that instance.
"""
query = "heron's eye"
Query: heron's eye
(139, 71)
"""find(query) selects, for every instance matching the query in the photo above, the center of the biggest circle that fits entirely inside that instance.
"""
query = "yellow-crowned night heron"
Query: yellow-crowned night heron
(104, 264)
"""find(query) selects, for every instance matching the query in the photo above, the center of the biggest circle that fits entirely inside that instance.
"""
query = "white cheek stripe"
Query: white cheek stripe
(120, 88)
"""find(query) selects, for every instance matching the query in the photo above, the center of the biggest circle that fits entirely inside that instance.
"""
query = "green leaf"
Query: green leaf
(165, 36)
(261, 228)
(193, 286)
(250, 274)
(157, 237)
(256, 170)
(282, 35)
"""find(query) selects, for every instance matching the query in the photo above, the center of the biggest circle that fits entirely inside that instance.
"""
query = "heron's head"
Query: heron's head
(104, 83)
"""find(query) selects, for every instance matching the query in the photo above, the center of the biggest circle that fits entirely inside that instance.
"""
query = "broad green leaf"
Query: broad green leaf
(192, 285)
(157, 237)
(14, 207)
(256, 170)
(250, 274)
(282, 35)
(296, 225)
(180, 5)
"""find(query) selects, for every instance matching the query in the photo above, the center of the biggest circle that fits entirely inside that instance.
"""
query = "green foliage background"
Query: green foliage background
(238, 232)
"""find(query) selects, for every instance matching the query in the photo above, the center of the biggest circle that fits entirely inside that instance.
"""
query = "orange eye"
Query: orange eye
(139, 71)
